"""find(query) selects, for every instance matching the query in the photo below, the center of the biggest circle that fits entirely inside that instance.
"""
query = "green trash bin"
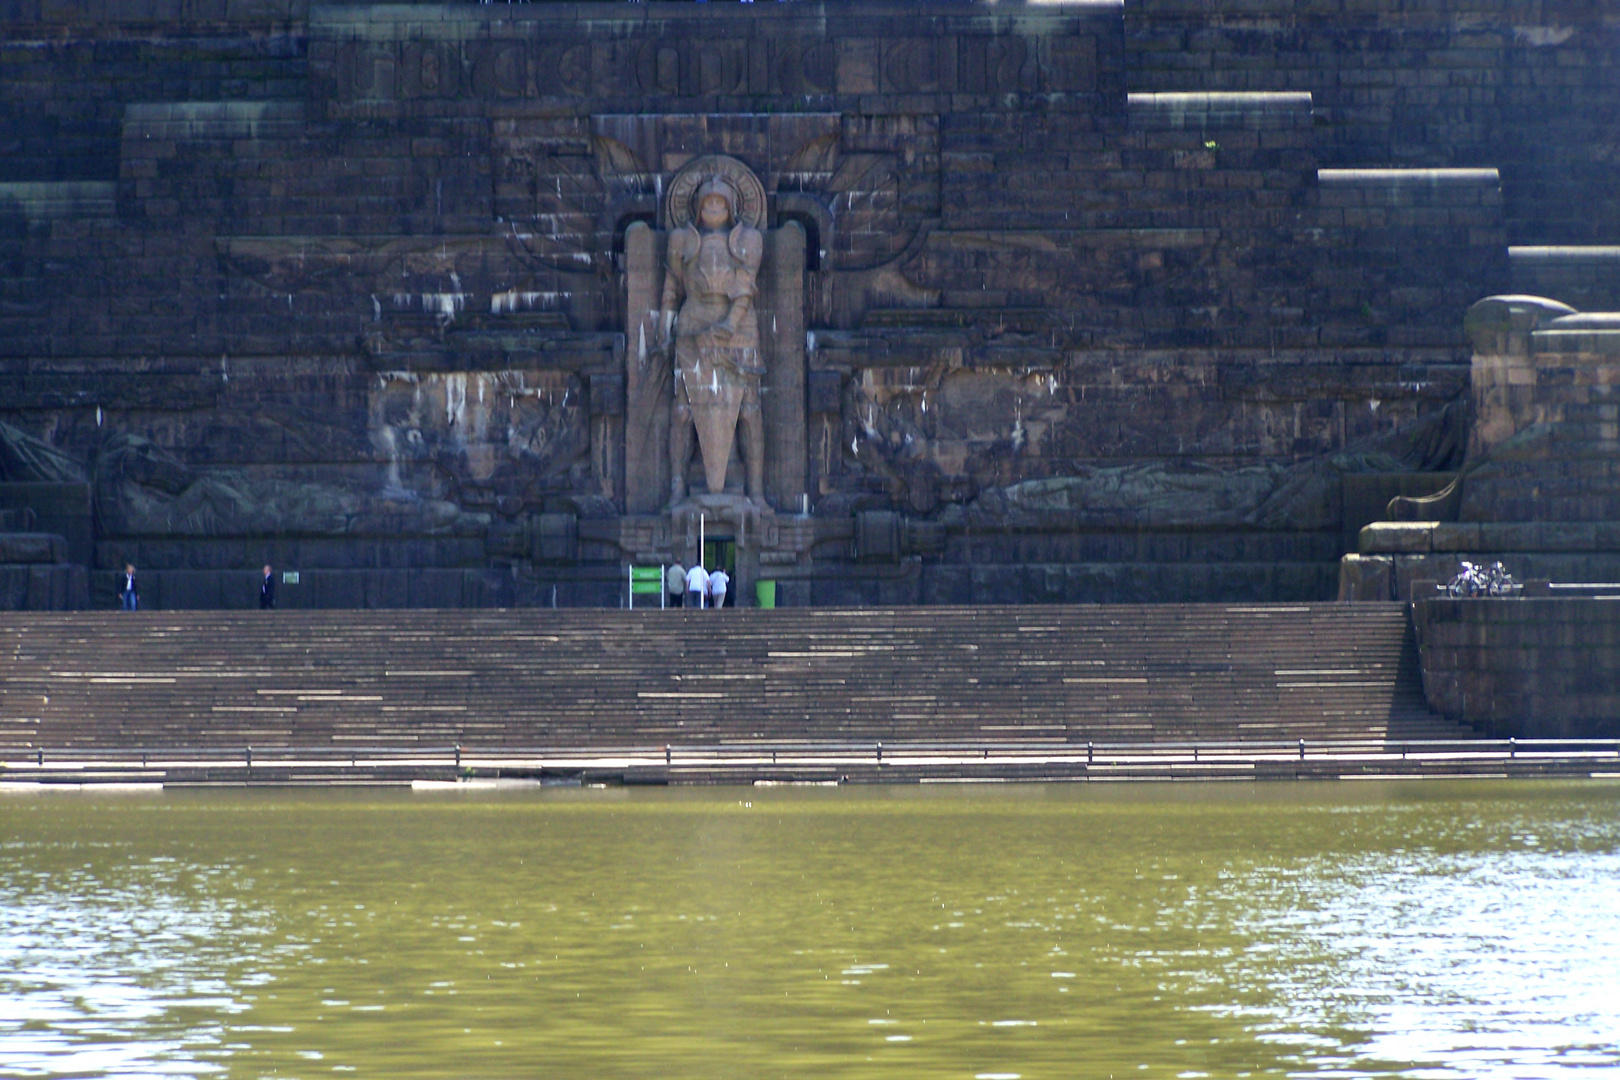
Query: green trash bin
(765, 593)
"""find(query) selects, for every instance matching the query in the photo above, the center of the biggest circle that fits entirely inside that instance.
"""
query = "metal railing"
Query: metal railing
(765, 756)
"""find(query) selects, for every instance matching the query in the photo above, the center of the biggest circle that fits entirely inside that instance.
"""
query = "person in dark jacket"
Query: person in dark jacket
(127, 594)
(267, 589)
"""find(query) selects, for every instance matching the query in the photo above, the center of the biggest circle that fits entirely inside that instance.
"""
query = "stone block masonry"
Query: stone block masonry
(1104, 299)
(1530, 669)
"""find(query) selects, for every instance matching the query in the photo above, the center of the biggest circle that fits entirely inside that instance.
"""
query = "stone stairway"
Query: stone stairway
(584, 678)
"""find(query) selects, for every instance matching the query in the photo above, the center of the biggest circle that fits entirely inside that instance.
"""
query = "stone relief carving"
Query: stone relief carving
(514, 67)
(499, 440)
(866, 189)
(141, 489)
(708, 325)
(443, 280)
(1020, 447)
(25, 458)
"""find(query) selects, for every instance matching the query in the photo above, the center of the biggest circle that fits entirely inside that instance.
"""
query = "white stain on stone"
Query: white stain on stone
(1543, 36)
(444, 305)
(512, 300)
(455, 398)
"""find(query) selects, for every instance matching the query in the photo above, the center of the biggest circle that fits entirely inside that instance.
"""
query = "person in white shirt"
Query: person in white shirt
(717, 587)
(697, 585)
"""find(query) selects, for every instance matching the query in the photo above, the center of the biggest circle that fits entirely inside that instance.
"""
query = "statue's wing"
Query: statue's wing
(551, 203)
(864, 196)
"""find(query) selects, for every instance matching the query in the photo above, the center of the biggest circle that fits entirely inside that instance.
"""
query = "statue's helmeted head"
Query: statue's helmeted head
(716, 196)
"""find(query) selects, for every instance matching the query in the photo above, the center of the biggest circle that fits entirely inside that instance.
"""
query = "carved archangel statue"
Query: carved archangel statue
(707, 319)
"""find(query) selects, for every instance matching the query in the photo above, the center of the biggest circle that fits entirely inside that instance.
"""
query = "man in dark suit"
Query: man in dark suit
(267, 589)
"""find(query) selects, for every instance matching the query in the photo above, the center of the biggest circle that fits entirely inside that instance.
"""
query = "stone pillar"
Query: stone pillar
(607, 433)
(1503, 376)
(782, 400)
(647, 381)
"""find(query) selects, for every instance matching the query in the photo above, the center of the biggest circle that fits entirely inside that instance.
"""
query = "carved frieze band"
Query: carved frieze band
(373, 70)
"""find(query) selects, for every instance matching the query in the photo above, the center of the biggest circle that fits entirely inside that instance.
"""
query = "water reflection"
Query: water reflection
(100, 973)
(1455, 965)
(1059, 931)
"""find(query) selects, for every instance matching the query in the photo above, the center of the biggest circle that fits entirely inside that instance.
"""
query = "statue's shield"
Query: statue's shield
(716, 396)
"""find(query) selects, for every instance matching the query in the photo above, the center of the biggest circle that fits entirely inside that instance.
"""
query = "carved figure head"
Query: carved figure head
(719, 175)
(714, 204)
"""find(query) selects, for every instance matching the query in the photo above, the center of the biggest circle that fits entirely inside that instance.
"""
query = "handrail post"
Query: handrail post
(39, 757)
(458, 755)
(1513, 747)
(666, 754)
(880, 753)
(1302, 749)
(249, 753)
(1088, 751)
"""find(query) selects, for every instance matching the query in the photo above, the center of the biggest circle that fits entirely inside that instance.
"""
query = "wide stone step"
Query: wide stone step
(593, 677)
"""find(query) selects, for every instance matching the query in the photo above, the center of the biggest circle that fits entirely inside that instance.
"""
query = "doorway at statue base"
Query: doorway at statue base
(759, 543)
(749, 526)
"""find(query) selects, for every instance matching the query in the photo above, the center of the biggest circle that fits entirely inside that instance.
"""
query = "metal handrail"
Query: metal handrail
(799, 751)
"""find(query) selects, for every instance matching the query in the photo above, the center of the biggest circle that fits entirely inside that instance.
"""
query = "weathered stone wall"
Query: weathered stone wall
(1103, 300)
(1530, 668)
(1527, 86)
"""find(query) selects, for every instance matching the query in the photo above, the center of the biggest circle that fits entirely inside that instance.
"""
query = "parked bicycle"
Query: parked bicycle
(1477, 580)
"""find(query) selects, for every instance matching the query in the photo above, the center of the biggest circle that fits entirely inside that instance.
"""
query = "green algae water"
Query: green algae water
(1463, 929)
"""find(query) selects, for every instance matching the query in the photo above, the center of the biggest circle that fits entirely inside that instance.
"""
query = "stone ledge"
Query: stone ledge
(179, 120)
(1463, 538)
(32, 548)
(1397, 537)
(46, 201)
(1591, 341)
(604, 17)
(1409, 188)
(1565, 254)
(1241, 109)
(1409, 178)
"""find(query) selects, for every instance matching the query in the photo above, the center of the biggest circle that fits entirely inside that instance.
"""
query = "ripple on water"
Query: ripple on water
(1467, 932)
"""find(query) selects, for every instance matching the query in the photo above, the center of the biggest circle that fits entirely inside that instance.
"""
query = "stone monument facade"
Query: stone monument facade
(1152, 300)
